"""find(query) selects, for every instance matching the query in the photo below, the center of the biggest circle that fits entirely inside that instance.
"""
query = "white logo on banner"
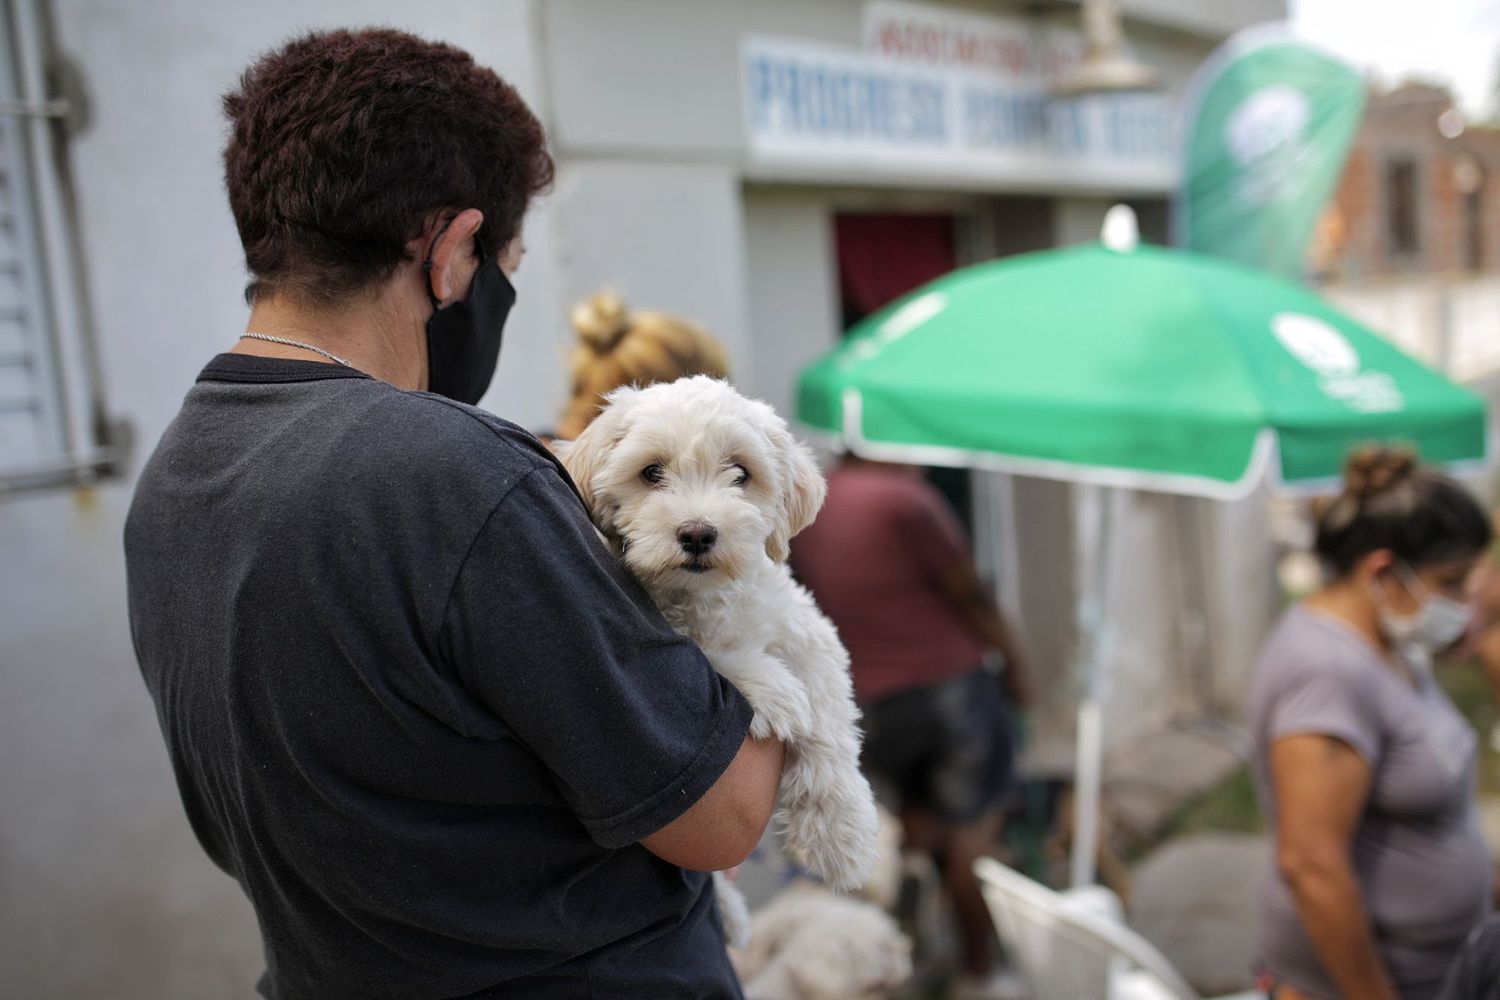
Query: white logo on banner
(1322, 348)
(1315, 343)
(1265, 134)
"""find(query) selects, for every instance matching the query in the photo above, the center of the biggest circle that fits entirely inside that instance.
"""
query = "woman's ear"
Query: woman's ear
(1375, 564)
(1378, 573)
(447, 260)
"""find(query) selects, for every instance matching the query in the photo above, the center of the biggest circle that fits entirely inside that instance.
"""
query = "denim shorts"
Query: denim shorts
(947, 747)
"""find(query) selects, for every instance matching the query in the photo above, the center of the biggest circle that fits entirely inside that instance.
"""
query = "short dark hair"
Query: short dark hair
(344, 144)
(1389, 502)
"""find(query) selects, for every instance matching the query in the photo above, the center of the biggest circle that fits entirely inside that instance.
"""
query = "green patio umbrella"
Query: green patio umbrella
(1150, 368)
(1140, 368)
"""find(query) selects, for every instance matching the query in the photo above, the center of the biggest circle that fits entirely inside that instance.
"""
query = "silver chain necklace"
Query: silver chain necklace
(295, 343)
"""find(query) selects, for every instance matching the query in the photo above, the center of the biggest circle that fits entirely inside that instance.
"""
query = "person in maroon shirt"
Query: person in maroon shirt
(890, 565)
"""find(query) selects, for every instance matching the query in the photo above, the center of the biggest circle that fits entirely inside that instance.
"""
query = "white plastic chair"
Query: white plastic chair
(1069, 946)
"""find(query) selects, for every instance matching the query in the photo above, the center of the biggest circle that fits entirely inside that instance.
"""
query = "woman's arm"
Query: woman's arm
(968, 594)
(722, 828)
(1321, 785)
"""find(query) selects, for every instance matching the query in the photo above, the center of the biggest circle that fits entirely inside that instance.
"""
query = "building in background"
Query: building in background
(771, 168)
(1411, 241)
(822, 158)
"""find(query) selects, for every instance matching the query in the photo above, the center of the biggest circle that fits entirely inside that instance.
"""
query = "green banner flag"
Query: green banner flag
(1269, 125)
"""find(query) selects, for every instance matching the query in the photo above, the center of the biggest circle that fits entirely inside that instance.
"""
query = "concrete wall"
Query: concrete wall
(613, 67)
(792, 287)
(106, 893)
(664, 235)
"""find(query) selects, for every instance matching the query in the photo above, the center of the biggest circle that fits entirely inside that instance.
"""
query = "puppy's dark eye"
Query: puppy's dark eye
(653, 473)
(741, 474)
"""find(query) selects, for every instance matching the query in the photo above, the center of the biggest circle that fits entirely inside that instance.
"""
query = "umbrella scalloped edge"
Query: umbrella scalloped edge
(1260, 465)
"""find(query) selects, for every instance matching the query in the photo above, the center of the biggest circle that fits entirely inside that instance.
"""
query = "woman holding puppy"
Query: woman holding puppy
(1365, 767)
(444, 743)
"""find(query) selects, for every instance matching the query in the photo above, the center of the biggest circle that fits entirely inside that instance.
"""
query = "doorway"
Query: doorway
(881, 257)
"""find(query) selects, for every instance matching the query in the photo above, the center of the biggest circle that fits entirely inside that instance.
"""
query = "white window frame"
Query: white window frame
(59, 352)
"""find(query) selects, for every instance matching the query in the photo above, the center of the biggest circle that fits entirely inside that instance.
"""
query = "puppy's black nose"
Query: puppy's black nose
(697, 537)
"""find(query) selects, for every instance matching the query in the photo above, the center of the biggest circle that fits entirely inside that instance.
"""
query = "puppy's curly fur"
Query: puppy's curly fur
(700, 490)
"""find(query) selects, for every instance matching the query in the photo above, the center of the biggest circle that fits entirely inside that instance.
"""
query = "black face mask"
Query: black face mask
(463, 338)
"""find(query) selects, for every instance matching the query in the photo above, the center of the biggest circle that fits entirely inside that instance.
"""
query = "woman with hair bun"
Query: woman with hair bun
(620, 347)
(1363, 765)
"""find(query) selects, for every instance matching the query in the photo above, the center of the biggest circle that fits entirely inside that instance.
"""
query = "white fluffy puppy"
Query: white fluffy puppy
(808, 944)
(700, 490)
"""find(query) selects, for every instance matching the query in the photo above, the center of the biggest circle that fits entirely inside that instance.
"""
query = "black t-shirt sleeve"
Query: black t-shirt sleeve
(547, 630)
(1475, 975)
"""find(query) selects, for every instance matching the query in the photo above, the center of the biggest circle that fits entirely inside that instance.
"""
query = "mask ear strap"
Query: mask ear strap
(1411, 581)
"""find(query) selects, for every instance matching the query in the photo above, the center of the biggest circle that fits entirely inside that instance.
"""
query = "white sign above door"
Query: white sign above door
(821, 111)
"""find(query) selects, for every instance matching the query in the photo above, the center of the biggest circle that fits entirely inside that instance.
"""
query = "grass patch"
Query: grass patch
(1470, 690)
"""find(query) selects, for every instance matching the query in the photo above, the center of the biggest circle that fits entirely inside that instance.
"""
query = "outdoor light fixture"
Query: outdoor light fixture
(1106, 65)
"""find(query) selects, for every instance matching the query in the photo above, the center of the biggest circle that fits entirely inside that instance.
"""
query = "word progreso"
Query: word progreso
(811, 98)
(811, 102)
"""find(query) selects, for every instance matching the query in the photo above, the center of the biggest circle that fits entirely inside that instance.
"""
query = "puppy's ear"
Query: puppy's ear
(803, 490)
(585, 457)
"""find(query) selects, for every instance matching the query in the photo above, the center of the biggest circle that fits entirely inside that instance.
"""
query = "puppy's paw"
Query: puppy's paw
(834, 835)
(782, 708)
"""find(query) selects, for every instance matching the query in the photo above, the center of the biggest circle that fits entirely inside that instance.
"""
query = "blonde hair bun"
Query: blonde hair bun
(617, 346)
(601, 321)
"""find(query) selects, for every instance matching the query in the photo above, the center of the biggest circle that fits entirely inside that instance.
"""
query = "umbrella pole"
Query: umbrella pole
(1089, 765)
(1086, 792)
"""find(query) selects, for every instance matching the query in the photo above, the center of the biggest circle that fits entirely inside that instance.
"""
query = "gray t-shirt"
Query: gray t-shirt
(1421, 861)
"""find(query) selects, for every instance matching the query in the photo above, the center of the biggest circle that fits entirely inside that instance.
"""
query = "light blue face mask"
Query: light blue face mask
(1437, 623)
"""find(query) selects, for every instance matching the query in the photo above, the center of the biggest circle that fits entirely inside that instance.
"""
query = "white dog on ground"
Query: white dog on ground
(809, 944)
(700, 490)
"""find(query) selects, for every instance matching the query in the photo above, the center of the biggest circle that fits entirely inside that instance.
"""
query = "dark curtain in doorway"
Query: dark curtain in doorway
(882, 256)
